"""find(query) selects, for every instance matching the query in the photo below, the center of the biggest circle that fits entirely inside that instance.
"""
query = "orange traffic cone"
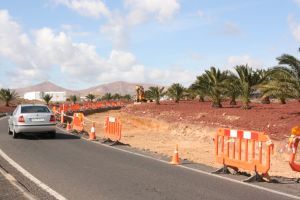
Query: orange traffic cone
(175, 158)
(92, 135)
(68, 126)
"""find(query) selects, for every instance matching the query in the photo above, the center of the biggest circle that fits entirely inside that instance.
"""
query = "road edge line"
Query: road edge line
(191, 169)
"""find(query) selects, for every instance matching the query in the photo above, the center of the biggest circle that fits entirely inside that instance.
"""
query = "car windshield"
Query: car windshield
(34, 109)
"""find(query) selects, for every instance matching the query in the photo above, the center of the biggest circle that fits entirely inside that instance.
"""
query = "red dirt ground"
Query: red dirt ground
(274, 119)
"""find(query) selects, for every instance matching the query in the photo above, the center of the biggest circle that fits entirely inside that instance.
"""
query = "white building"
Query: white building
(33, 95)
(56, 96)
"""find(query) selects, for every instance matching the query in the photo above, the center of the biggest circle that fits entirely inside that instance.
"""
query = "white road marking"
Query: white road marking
(193, 169)
(30, 176)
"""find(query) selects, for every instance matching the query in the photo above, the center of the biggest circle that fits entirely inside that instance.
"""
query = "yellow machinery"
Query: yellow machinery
(140, 93)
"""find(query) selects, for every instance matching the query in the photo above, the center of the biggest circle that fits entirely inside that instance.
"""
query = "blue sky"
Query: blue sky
(82, 43)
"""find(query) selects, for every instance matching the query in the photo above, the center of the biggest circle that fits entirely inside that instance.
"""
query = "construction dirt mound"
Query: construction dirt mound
(274, 119)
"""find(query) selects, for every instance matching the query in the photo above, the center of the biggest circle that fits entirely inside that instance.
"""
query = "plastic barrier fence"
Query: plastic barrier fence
(247, 150)
(78, 122)
(293, 143)
(113, 129)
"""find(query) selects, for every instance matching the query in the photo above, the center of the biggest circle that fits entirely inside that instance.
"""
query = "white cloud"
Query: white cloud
(120, 24)
(243, 60)
(36, 55)
(294, 27)
(16, 39)
(17, 47)
(74, 59)
(122, 59)
(162, 10)
(117, 29)
(171, 75)
(90, 8)
(74, 31)
(297, 2)
(135, 73)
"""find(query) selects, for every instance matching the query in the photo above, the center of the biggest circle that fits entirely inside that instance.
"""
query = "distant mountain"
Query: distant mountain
(120, 87)
(46, 86)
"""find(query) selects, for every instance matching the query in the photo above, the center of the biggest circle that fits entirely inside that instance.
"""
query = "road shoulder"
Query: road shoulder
(11, 188)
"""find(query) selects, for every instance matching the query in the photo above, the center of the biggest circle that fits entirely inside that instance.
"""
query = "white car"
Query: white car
(32, 118)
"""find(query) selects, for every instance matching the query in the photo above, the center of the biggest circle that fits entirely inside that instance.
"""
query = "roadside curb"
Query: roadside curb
(32, 178)
(11, 179)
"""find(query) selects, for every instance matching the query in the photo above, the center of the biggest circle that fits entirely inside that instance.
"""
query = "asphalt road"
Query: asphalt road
(78, 169)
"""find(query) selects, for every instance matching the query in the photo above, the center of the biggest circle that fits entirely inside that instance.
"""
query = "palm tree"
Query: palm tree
(156, 93)
(232, 89)
(90, 97)
(190, 94)
(290, 66)
(195, 90)
(278, 86)
(265, 76)
(73, 98)
(176, 91)
(247, 80)
(148, 95)
(47, 98)
(7, 95)
(127, 97)
(212, 83)
(116, 96)
(107, 96)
